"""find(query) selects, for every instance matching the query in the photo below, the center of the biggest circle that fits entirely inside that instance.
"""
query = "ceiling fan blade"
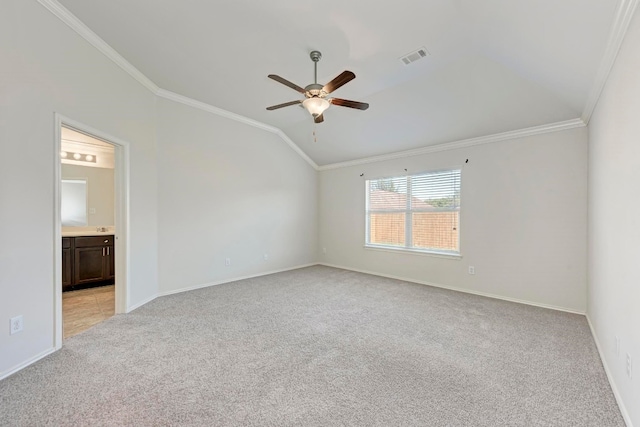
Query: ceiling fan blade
(351, 104)
(286, 104)
(319, 119)
(339, 81)
(287, 83)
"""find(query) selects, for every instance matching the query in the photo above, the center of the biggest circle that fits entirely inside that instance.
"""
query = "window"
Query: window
(416, 212)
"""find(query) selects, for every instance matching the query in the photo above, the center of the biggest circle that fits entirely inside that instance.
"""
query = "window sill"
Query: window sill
(435, 254)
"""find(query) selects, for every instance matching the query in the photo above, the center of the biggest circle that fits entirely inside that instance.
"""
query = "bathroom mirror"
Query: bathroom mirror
(74, 202)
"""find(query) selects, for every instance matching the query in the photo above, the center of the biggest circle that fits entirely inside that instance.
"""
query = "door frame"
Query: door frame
(121, 202)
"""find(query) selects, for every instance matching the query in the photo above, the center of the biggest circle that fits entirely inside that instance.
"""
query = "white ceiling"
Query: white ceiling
(495, 65)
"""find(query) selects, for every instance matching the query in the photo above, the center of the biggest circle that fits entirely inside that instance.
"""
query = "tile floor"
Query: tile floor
(85, 308)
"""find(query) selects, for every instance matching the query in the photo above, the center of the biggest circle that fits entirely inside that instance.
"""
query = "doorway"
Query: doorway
(87, 213)
(91, 228)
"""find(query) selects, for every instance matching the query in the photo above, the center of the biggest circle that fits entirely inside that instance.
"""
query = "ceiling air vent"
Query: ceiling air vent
(415, 56)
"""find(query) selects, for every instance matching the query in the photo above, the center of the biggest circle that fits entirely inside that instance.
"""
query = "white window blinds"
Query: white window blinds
(417, 212)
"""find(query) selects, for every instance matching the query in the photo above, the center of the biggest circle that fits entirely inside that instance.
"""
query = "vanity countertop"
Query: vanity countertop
(87, 233)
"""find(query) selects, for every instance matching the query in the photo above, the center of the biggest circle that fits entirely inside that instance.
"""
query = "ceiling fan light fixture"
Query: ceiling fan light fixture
(315, 106)
(315, 102)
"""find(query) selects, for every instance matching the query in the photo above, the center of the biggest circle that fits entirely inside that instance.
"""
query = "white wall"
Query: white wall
(214, 188)
(228, 190)
(100, 192)
(614, 221)
(523, 220)
(45, 68)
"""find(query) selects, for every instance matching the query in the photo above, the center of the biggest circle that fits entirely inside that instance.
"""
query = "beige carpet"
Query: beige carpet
(320, 347)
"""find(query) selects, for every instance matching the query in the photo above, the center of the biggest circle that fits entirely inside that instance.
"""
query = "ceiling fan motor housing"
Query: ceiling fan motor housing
(315, 90)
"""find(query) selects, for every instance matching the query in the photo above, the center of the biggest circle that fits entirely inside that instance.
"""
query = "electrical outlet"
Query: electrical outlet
(16, 325)
(629, 366)
(227, 262)
(617, 346)
(472, 270)
(92, 211)
(266, 257)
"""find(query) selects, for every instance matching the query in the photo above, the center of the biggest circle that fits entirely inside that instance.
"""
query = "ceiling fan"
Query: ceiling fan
(316, 100)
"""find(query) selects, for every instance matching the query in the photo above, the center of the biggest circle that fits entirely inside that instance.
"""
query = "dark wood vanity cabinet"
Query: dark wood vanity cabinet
(92, 261)
(67, 262)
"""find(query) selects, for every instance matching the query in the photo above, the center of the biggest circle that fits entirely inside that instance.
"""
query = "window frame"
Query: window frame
(441, 253)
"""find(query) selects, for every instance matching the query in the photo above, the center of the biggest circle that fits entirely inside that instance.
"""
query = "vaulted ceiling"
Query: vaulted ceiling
(494, 65)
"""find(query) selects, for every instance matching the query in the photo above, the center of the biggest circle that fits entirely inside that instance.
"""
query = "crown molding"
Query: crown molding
(172, 96)
(176, 97)
(536, 130)
(297, 149)
(624, 13)
(85, 32)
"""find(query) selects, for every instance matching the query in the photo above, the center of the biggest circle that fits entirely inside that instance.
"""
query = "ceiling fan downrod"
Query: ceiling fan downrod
(314, 89)
(315, 57)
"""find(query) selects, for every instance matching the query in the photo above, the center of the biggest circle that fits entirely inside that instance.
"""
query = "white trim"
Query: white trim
(122, 173)
(26, 363)
(614, 388)
(86, 33)
(453, 288)
(408, 251)
(96, 41)
(141, 303)
(121, 243)
(297, 149)
(172, 96)
(206, 285)
(235, 279)
(624, 13)
(57, 234)
(521, 133)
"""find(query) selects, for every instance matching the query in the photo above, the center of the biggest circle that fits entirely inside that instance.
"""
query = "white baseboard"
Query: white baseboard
(616, 393)
(206, 285)
(141, 303)
(235, 279)
(39, 356)
(453, 288)
(26, 363)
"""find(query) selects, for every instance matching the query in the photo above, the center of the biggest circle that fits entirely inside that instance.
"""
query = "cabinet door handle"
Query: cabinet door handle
(102, 251)
(107, 250)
